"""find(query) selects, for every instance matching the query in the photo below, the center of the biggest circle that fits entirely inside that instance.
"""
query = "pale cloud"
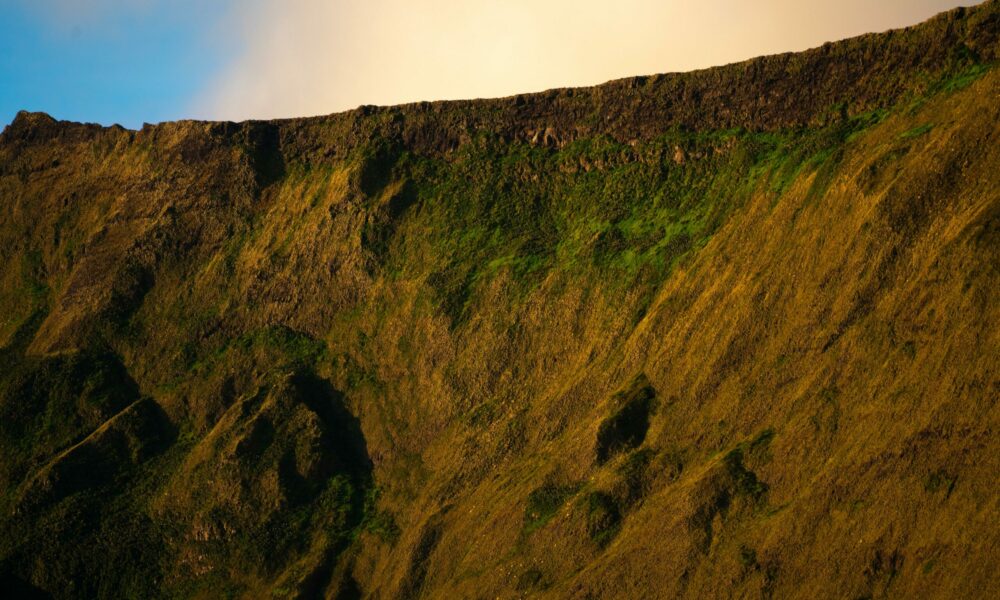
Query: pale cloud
(308, 57)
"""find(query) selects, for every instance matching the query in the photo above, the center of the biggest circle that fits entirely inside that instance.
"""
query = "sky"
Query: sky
(136, 61)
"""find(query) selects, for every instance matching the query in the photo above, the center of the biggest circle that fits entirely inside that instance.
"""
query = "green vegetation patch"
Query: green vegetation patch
(746, 482)
(379, 523)
(633, 471)
(940, 481)
(963, 78)
(917, 131)
(597, 209)
(544, 503)
(604, 517)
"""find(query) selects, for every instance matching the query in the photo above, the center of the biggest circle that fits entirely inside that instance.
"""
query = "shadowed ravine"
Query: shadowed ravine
(730, 333)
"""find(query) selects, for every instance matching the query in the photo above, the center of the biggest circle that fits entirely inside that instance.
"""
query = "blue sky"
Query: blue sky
(108, 61)
(135, 61)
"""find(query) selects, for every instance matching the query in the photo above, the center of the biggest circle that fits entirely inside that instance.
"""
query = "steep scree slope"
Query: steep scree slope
(730, 333)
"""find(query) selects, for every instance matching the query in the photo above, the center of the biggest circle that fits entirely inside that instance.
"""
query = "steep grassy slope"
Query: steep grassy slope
(728, 333)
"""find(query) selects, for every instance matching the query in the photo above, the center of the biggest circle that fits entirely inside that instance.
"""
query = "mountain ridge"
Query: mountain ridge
(929, 46)
(503, 349)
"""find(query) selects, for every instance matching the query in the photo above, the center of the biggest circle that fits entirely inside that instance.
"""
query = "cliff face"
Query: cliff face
(726, 333)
